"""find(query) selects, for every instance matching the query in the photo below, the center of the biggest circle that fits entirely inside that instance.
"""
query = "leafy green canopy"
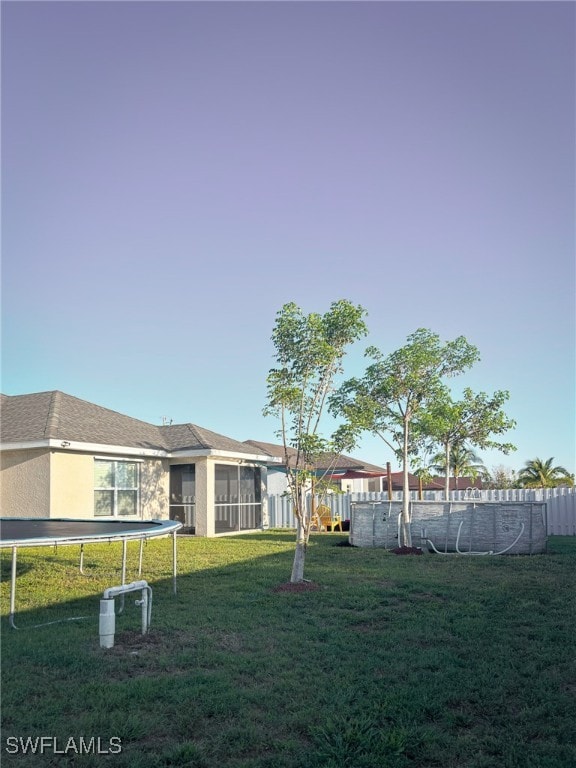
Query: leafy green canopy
(538, 473)
(396, 389)
(309, 351)
(473, 420)
(453, 425)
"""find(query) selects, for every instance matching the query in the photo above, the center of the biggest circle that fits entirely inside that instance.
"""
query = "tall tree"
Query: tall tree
(309, 353)
(538, 473)
(395, 389)
(457, 425)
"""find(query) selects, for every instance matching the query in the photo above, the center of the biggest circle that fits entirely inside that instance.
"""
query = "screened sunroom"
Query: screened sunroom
(211, 497)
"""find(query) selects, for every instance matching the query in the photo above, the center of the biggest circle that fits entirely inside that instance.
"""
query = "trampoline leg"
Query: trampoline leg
(124, 549)
(140, 557)
(124, 546)
(174, 562)
(13, 590)
(82, 559)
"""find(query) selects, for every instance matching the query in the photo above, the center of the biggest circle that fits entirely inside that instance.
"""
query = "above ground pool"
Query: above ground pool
(454, 527)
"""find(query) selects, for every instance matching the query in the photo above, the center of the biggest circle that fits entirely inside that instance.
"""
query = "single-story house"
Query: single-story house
(64, 457)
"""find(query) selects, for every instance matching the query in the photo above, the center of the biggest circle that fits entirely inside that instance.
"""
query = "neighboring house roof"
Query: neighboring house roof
(54, 415)
(435, 484)
(413, 482)
(461, 483)
(326, 462)
(351, 465)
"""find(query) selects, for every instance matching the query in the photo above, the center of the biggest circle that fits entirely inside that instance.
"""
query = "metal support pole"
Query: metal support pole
(82, 559)
(140, 557)
(124, 550)
(174, 561)
(13, 589)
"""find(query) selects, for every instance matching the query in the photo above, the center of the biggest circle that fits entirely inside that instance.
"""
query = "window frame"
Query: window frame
(117, 488)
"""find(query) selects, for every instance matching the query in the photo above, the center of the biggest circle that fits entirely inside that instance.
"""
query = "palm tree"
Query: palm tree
(463, 463)
(542, 474)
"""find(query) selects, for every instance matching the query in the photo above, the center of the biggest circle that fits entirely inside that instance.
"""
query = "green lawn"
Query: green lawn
(459, 662)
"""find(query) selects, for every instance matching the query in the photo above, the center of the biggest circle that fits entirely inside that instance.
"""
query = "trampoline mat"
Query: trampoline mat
(27, 530)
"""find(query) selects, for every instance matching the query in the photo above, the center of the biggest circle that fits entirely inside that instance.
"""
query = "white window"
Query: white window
(116, 488)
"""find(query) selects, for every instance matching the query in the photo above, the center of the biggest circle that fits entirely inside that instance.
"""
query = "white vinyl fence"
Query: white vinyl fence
(560, 504)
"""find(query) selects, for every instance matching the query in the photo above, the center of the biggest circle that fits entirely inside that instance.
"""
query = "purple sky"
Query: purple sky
(175, 172)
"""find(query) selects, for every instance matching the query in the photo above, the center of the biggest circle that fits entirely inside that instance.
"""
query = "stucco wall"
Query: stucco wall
(154, 488)
(205, 515)
(72, 485)
(25, 483)
(44, 483)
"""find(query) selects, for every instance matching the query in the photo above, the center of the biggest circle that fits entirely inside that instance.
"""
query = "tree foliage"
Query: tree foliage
(540, 473)
(397, 388)
(474, 420)
(309, 354)
(501, 478)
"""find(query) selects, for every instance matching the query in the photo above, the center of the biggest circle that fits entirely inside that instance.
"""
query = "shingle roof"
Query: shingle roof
(59, 416)
(56, 415)
(342, 463)
(179, 437)
(270, 449)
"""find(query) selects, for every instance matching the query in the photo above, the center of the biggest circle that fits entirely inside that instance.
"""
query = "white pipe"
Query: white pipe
(107, 626)
(490, 552)
(134, 586)
(146, 603)
(469, 551)
(514, 542)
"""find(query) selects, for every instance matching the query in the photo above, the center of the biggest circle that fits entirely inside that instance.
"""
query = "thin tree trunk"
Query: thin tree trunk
(406, 536)
(447, 476)
(299, 554)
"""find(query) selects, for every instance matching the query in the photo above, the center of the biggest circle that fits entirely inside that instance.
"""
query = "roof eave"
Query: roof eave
(223, 454)
(77, 446)
(71, 446)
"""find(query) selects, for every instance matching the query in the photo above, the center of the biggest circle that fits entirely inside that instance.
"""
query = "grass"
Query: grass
(392, 662)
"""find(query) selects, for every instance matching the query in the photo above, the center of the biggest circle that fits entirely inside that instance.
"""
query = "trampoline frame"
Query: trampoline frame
(142, 531)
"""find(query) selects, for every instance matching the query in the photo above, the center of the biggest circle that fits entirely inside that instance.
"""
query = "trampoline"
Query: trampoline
(18, 532)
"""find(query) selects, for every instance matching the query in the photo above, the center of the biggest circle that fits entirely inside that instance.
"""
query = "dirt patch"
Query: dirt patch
(130, 640)
(407, 551)
(153, 642)
(300, 586)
